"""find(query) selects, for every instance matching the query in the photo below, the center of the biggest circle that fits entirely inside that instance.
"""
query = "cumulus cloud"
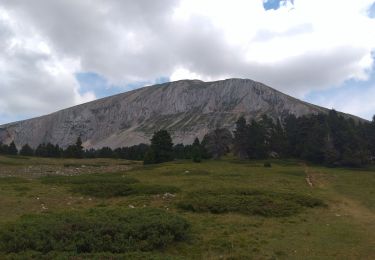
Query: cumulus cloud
(34, 79)
(302, 46)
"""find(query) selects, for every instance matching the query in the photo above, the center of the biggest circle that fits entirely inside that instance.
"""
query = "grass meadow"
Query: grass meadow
(224, 209)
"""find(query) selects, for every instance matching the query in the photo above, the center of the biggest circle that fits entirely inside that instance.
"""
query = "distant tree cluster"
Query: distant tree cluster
(331, 139)
(10, 149)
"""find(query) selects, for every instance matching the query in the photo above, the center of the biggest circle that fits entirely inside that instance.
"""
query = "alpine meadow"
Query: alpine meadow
(185, 129)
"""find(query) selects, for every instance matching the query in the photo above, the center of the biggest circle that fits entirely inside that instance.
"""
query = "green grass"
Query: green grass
(235, 209)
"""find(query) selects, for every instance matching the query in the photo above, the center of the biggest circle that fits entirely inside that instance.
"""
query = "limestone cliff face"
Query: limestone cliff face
(187, 108)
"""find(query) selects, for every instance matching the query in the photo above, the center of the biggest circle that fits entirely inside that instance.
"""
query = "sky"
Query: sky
(56, 54)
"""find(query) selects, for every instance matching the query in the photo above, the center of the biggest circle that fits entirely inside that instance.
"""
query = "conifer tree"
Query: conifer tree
(161, 149)
(26, 150)
(12, 150)
(196, 151)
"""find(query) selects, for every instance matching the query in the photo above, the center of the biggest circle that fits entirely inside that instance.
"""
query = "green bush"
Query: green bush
(107, 190)
(89, 178)
(107, 185)
(267, 164)
(92, 231)
(250, 202)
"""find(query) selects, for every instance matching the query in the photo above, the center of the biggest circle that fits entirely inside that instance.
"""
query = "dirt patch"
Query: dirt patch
(43, 170)
(315, 179)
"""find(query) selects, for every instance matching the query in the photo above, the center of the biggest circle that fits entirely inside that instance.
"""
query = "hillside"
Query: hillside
(186, 108)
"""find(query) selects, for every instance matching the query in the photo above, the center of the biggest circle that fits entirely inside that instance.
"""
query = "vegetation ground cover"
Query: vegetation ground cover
(343, 229)
(95, 230)
(250, 202)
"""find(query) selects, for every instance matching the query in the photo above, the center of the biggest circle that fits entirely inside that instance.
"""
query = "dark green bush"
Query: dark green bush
(267, 164)
(99, 230)
(251, 202)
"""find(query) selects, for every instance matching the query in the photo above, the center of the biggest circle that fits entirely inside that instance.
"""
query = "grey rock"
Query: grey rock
(186, 108)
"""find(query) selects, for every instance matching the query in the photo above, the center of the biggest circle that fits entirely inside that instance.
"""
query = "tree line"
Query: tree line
(331, 139)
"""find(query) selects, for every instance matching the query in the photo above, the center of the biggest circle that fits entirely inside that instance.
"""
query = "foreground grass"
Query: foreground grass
(235, 209)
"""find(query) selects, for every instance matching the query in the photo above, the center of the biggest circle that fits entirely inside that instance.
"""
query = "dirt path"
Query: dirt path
(349, 207)
(315, 179)
(343, 205)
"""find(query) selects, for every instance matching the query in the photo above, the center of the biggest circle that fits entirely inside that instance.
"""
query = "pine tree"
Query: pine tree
(161, 149)
(278, 140)
(196, 151)
(149, 157)
(217, 143)
(79, 148)
(240, 142)
(26, 150)
(12, 150)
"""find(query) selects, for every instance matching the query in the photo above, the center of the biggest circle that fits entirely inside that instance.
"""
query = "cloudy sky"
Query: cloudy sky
(55, 54)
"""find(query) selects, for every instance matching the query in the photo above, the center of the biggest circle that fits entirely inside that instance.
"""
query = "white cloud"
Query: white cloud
(34, 78)
(308, 45)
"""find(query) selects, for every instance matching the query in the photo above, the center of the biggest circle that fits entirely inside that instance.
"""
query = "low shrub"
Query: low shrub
(250, 202)
(267, 164)
(13, 180)
(95, 230)
(107, 185)
(89, 178)
(106, 190)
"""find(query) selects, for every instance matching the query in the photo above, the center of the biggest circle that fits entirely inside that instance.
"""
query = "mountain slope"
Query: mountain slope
(186, 108)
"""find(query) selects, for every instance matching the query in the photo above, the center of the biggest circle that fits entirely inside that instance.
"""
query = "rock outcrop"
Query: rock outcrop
(186, 108)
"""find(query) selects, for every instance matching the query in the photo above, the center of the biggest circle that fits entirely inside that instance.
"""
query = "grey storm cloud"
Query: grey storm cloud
(127, 41)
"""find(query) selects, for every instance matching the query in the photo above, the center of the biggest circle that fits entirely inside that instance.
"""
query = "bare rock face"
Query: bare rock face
(186, 108)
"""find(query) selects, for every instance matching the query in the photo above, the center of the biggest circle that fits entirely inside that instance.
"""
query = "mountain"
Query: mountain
(186, 108)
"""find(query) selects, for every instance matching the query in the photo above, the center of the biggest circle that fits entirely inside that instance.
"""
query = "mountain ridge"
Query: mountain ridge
(187, 108)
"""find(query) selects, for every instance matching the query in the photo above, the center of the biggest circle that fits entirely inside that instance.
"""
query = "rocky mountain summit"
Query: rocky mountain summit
(186, 108)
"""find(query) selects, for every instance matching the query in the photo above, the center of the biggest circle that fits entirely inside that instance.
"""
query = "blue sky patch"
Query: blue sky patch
(90, 81)
(271, 4)
(371, 11)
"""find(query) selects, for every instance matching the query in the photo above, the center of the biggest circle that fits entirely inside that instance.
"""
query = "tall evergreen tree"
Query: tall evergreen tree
(26, 150)
(278, 140)
(240, 141)
(12, 150)
(161, 149)
(75, 151)
(197, 151)
(217, 143)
